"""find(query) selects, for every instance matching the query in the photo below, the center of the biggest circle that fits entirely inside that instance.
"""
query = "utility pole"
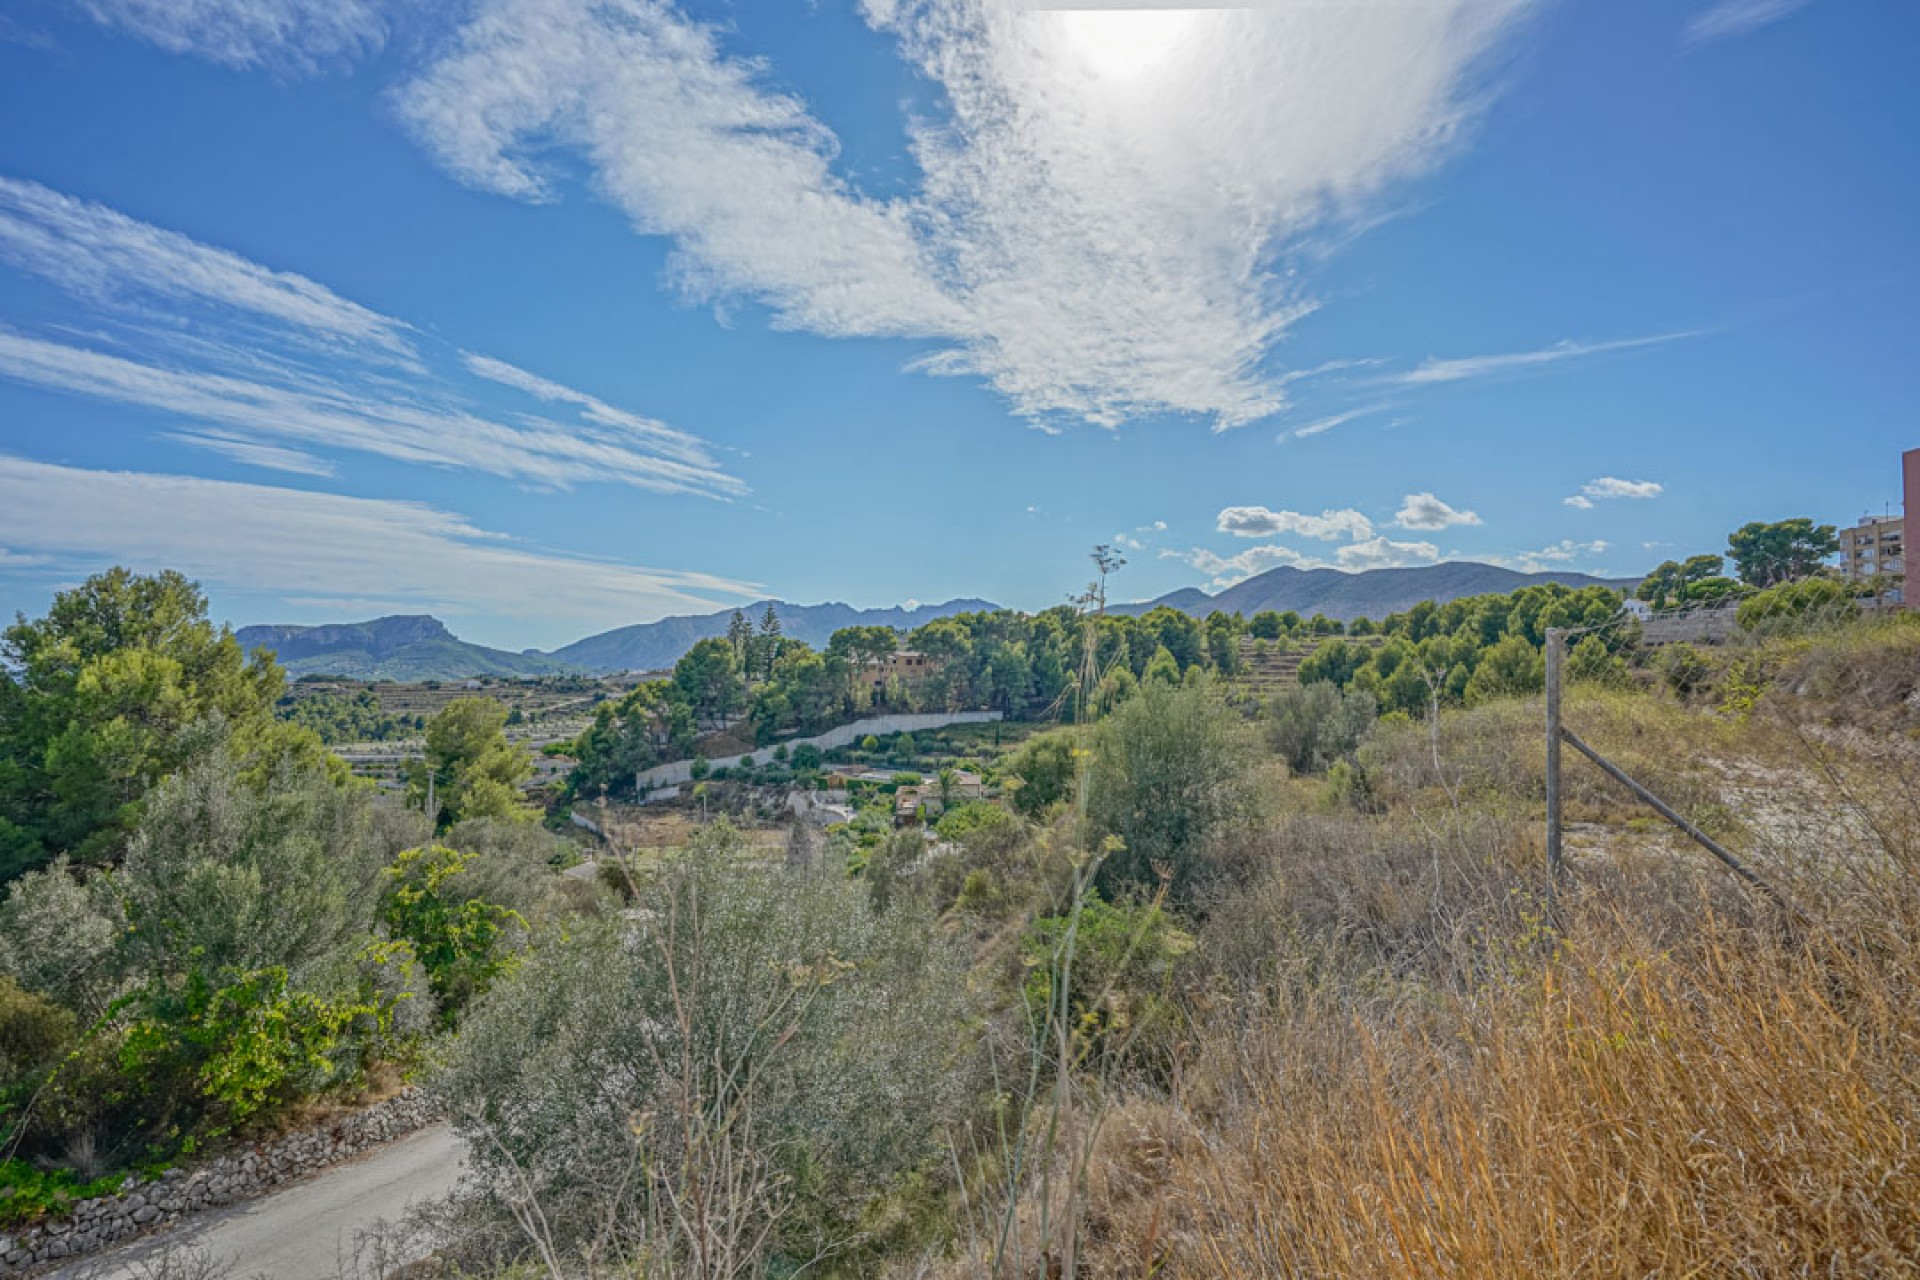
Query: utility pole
(1556, 651)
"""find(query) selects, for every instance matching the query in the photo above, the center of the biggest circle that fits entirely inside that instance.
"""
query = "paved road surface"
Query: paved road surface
(304, 1231)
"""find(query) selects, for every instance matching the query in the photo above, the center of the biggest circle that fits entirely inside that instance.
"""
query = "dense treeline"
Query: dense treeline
(763, 686)
(208, 918)
(337, 718)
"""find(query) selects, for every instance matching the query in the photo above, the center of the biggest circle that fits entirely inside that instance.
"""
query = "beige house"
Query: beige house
(1874, 551)
(904, 665)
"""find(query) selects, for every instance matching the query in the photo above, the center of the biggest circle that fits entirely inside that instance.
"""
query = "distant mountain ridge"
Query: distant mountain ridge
(648, 646)
(413, 647)
(1366, 593)
(403, 647)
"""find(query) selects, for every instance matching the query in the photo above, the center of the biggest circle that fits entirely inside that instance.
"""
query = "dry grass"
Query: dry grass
(1408, 1075)
(1746, 1107)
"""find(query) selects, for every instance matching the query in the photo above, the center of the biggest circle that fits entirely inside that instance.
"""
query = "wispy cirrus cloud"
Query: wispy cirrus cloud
(271, 368)
(1729, 18)
(1320, 426)
(342, 417)
(1264, 522)
(296, 543)
(270, 457)
(1106, 200)
(1464, 368)
(103, 255)
(297, 35)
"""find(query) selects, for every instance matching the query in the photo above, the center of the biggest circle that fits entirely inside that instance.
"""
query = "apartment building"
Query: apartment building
(1873, 550)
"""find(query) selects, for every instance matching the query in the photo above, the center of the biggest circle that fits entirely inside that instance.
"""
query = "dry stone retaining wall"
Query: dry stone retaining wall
(241, 1175)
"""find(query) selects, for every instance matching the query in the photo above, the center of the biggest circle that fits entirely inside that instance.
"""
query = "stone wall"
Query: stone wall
(240, 1175)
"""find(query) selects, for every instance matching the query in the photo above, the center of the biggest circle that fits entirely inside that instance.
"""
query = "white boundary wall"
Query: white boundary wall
(680, 771)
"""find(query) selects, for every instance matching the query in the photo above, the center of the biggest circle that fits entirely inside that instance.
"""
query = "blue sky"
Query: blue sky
(547, 316)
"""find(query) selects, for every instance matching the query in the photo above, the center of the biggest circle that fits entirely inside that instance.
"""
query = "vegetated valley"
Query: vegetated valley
(1225, 948)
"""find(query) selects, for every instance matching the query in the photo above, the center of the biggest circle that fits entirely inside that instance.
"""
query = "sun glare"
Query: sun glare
(1119, 43)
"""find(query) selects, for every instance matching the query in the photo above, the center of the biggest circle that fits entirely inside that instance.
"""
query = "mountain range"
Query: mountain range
(404, 647)
(418, 647)
(649, 646)
(1367, 593)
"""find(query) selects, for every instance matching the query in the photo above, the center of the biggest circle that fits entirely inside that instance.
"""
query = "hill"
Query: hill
(405, 647)
(1369, 593)
(649, 646)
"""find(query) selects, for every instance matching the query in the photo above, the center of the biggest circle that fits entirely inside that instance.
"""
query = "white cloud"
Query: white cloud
(1374, 553)
(345, 417)
(678, 443)
(1579, 502)
(1558, 555)
(254, 454)
(1614, 487)
(1425, 511)
(289, 34)
(1320, 426)
(258, 358)
(1380, 553)
(1106, 202)
(1435, 370)
(1227, 570)
(1263, 522)
(1730, 18)
(289, 542)
(99, 253)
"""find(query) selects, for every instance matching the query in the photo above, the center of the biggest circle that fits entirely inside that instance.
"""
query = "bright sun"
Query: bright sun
(1125, 42)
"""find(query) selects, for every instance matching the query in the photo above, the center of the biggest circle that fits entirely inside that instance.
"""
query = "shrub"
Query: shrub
(1312, 726)
(1044, 765)
(759, 1043)
(1684, 668)
(1113, 966)
(1797, 606)
(1172, 773)
(462, 942)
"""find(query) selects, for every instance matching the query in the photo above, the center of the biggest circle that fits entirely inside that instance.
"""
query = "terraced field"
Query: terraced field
(539, 712)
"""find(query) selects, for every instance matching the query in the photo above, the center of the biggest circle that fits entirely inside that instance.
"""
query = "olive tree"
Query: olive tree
(724, 1075)
(1172, 774)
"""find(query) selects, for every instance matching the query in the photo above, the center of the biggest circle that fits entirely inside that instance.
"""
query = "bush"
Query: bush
(1044, 765)
(1312, 726)
(462, 942)
(1808, 604)
(1684, 668)
(1172, 774)
(760, 1042)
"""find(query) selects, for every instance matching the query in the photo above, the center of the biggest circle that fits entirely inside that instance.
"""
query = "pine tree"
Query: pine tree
(769, 640)
(740, 636)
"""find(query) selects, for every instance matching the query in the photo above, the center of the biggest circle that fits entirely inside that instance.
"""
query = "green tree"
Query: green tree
(470, 770)
(1044, 766)
(109, 693)
(462, 941)
(1765, 554)
(708, 677)
(1591, 662)
(1311, 726)
(1794, 606)
(1162, 667)
(1510, 668)
(1171, 776)
(1335, 662)
(739, 637)
(1267, 625)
